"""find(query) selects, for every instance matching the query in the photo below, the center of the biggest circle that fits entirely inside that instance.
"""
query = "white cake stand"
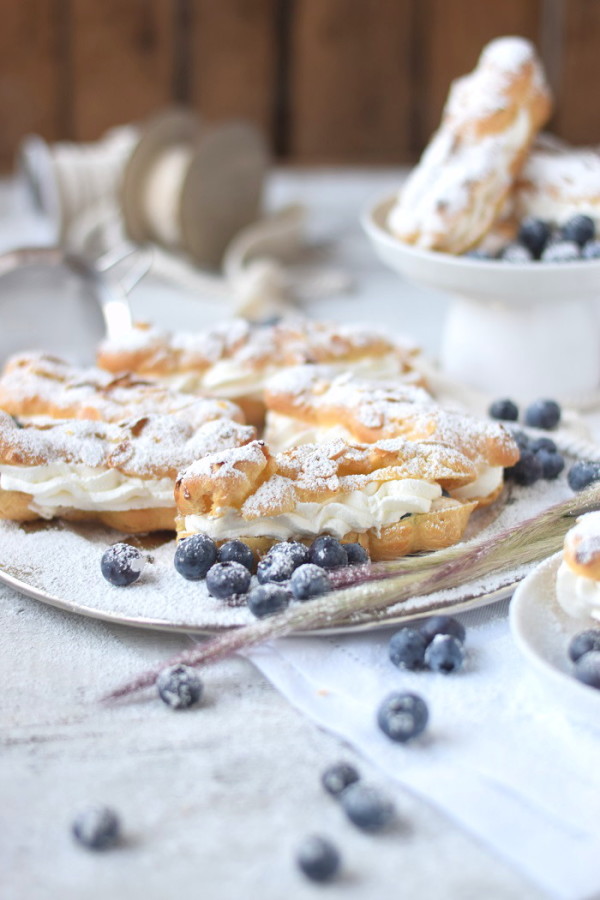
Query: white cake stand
(524, 331)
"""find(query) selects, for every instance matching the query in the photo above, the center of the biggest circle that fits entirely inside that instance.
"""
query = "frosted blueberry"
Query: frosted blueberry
(121, 564)
(194, 556)
(309, 581)
(584, 642)
(236, 551)
(582, 474)
(366, 807)
(179, 686)
(407, 648)
(318, 858)
(442, 624)
(505, 410)
(338, 777)
(267, 599)
(403, 716)
(444, 654)
(543, 414)
(327, 552)
(227, 579)
(357, 555)
(97, 828)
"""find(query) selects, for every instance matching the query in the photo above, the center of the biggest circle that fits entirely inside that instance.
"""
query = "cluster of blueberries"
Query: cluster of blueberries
(538, 240)
(584, 652)
(436, 643)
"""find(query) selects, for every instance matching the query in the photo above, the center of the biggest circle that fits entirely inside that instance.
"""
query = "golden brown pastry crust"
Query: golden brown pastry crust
(581, 551)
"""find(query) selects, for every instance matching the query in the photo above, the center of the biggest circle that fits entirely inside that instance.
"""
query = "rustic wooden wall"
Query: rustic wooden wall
(328, 80)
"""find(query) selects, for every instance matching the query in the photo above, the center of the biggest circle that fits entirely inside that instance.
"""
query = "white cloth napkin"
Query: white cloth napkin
(498, 756)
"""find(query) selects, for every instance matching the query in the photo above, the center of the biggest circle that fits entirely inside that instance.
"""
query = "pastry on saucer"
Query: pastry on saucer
(578, 577)
(313, 403)
(387, 495)
(490, 120)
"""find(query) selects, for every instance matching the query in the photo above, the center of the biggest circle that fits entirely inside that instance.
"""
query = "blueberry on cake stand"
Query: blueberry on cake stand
(525, 330)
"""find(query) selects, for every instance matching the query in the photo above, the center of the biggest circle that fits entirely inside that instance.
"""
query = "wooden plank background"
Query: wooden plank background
(355, 81)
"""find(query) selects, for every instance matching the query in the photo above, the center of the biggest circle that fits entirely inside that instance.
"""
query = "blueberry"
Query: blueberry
(309, 581)
(505, 410)
(357, 555)
(97, 828)
(582, 474)
(527, 470)
(336, 778)
(543, 443)
(227, 579)
(591, 250)
(516, 253)
(579, 229)
(444, 654)
(366, 807)
(194, 556)
(403, 716)
(561, 251)
(281, 560)
(121, 564)
(534, 234)
(267, 599)
(179, 686)
(407, 648)
(318, 858)
(237, 551)
(442, 624)
(552, 464)
(521, 439)
(587, 668)
(543, 414)
(584, 642)
(327, 552)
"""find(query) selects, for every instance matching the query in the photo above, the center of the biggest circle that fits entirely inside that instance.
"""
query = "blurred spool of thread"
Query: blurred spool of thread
(65, 179)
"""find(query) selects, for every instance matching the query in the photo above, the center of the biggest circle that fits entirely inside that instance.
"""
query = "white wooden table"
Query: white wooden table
(214, 800)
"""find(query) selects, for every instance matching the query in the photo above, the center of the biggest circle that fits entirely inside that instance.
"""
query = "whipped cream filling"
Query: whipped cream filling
(60, 485)
(377, 505)
(579, 596)
(489, 479)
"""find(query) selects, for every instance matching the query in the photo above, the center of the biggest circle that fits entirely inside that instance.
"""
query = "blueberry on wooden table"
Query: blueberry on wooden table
(444, 654)
(406, 648)
(236, 551)
(327, 552)
(580, 229)
(534, 234)
(318, 858)
(357, 555)
(582, 474)
(121, 564)
(97, 828)
(268, 599)
(505, 410)
(587, 668)
(584, 642)
(309, 581)
(227, 579)
(403, 716)
(442, 624)
(366, 807)
(179, 686)
(194, 556)
(338, 777)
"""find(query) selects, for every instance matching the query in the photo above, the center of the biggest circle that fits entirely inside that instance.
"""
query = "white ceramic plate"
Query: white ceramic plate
(542, 631)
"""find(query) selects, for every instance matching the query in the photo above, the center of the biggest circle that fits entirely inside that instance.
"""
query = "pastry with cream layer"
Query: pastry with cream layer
(313, 403)
(387, 495)
(120, 474)
(578, 577)
(457, 190)
(233, 359)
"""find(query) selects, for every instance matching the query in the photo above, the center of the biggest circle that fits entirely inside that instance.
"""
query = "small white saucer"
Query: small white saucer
(542, 632)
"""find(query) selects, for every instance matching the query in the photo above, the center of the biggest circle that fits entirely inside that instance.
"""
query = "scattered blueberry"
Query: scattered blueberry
(268, 599)
(366, 807)
(121, 564)
(584, 642)
(336, 778)
(587, 668)
(516, 253)
(561, 251)
(579, 229)
(543, 414)
(309, 581)
(237, 551)
(327, 552)
(505, 410)
(582, 474)
(444, 654)
(227, 579)
(534, 234)
(357, 555)
(442, 624)
(281, 560)
(403, 716)
(527, 470)
(179, 686)
(318, 858)
(97, 828)
(543, 443)
(521, 439)
(194, 556)
(407, 648)
(591, 250)
(552, 464)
